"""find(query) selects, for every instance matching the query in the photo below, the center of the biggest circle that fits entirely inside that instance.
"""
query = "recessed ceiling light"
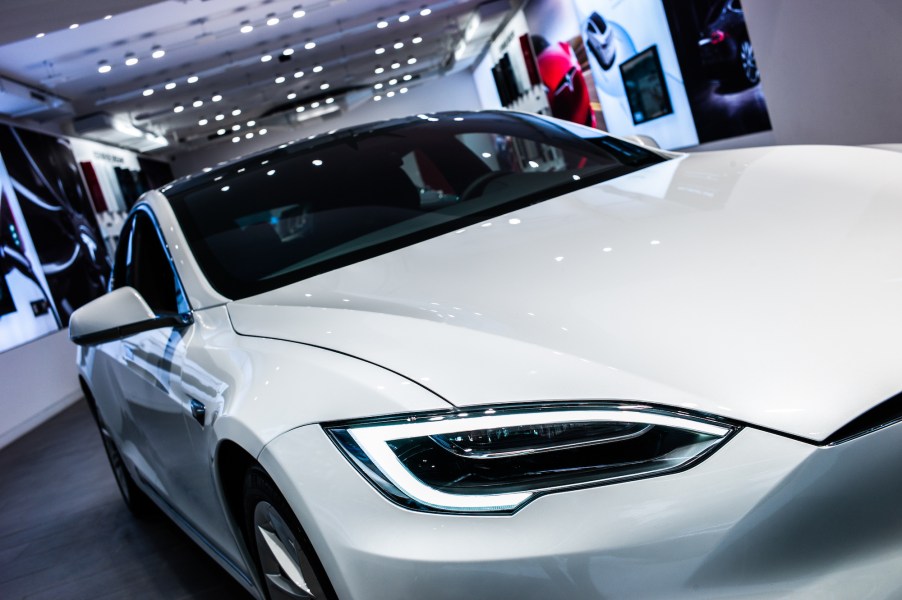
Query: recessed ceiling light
(403, 90)
(236, 127)
(236, 112)
(399, 44)
(40, 35)
(380, 50)
(266, 58)
(330, 100)
(73, 26)
(396, 65)
(236, 139)
(178, 108)
(379, 70)
(324, 86)
(272, 19)
(403, 18)
(417, 40)
(197, 103)
(131, 59)
(219, 117)
(246, 27)
(251, 123)
(249, 134)
(108, 17)
(299, 13)
(310, 45)
(157, 52)
(202, 122)
(221, 132)
(314, 105)
(407, 77)
(425, 12)
(392, 82)
(287, 51)
(378, 86)
(104, 67)
(193, 79)
(216, 97)
(262, 132)
(148, 92)
(318, 69)
(280, 79)
(390, 95)
(292, 96)
(377, 98)
(382, 24)
(170, 85)
(299, 109)
(411, 61)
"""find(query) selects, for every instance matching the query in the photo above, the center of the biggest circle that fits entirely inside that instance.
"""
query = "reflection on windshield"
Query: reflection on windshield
(312, 207)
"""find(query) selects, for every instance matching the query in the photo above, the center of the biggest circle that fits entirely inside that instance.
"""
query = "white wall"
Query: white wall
(454, 92)
(38, 379)
(830, 68)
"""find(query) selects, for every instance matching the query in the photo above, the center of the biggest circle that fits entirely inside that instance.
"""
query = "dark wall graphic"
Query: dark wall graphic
(719, 68)
(58, 216)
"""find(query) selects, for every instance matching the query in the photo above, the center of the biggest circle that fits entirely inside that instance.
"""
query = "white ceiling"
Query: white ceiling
(203, 38)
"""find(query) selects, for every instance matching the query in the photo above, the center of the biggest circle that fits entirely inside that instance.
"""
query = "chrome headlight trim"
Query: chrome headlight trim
(372, 446)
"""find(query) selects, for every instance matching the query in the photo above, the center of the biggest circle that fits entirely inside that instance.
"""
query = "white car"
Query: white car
(494, 355)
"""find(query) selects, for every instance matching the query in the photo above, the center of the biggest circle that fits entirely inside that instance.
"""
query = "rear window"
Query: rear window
(308, 208)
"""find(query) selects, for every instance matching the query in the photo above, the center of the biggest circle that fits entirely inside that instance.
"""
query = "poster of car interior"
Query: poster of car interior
(635, 70)
(562, 62)
(66, 250)
(25, 302)
(719, 68)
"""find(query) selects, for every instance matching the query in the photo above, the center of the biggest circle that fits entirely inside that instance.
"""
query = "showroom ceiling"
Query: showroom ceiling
(196, 71)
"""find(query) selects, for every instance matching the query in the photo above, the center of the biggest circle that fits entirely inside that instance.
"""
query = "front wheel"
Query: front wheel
(285, 559)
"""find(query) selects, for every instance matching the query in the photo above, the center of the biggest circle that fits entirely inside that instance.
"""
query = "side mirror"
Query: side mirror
(120, 313)
(643, 140)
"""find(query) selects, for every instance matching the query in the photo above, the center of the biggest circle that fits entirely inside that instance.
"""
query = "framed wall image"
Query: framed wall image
(645, 86)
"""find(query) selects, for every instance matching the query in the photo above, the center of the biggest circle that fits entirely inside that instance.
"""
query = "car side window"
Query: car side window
(143, 263)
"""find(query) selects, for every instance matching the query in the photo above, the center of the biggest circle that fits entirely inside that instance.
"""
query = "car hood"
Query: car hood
(763, 285)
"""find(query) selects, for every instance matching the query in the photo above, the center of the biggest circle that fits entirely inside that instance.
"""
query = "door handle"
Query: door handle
(198, 411)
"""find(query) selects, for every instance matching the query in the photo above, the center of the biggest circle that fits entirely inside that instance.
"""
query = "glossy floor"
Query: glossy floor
(65, 533)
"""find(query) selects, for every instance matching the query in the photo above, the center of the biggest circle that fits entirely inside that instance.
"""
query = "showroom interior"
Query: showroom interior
(103, 100)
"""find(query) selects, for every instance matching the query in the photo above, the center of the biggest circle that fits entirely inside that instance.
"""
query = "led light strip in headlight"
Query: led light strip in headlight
(496, 460)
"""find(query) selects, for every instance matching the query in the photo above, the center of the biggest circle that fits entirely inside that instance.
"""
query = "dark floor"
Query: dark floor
(65, 533)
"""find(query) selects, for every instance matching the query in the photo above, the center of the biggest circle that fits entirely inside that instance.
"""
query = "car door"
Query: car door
(165, 431)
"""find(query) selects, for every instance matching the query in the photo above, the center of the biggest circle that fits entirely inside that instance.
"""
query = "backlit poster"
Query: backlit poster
(67, 252)
(636, 34)
(718, 62)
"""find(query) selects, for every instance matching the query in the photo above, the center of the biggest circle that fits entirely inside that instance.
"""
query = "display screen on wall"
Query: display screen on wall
(58, 216)
(646, 89)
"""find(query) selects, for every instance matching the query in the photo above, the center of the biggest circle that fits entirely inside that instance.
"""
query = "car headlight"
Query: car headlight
(497, 460)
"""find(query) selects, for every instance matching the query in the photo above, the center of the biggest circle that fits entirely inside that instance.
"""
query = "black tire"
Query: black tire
(270, 523)
(135, 499)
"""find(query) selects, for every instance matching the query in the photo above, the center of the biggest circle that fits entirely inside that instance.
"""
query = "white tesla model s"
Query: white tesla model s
(494, 355)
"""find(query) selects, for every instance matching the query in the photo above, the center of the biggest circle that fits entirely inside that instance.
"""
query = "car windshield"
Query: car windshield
(303, 209)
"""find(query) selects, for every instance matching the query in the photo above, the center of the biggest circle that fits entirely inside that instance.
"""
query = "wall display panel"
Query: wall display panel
(615, 32)
(511, 60)
(718, 62)
(115, 179)
(66, 252)
(25, 301)
(562, 61)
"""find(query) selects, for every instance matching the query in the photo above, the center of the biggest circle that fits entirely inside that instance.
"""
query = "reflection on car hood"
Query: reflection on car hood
(763, 285)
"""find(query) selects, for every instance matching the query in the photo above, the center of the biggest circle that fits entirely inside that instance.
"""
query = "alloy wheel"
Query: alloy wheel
(749, 63)
(286, 569)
